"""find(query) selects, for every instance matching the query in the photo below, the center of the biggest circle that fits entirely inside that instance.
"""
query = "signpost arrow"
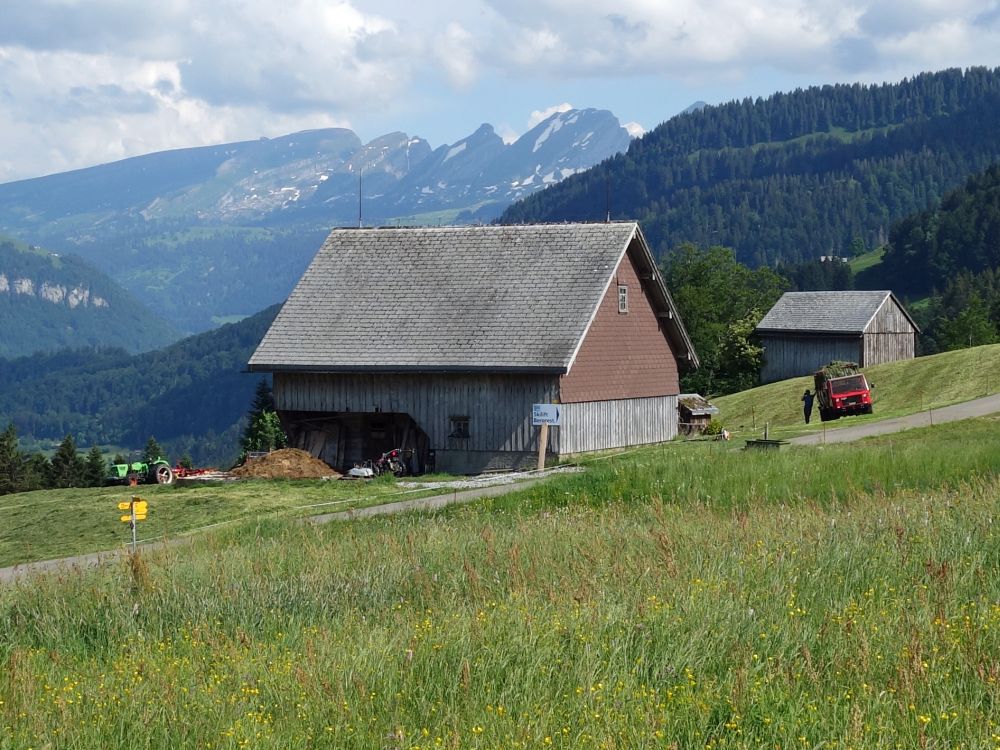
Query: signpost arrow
(138, 508)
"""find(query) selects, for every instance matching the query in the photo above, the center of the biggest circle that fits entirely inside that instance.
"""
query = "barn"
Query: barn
(806, 330)
(439, 341)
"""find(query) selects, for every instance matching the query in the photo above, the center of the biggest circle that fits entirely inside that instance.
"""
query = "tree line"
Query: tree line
(23, 471)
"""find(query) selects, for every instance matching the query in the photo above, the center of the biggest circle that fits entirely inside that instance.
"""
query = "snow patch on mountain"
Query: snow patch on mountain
(553, 127)
(456, 150)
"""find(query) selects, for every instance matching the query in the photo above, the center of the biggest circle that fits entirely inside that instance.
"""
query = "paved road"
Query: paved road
(83, 562)
(965, 410)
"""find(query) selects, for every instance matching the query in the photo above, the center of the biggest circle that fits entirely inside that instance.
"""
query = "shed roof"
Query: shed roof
(826, 312)
(493, 298)
(697, 405)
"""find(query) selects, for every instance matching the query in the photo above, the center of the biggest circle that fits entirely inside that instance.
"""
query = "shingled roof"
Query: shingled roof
(826, 312)
(486, 298)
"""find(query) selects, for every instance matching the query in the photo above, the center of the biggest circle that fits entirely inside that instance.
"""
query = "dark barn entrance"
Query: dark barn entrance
(343, 439)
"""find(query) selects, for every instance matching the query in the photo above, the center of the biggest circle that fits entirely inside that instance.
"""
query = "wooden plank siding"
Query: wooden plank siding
(790, 356)
(889, 336)
(498, 406)
(598, 425)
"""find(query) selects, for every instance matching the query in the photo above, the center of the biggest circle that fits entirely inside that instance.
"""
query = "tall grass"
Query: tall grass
(621, 614)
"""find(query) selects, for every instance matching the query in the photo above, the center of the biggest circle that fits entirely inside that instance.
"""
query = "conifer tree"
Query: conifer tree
(67, 469)
(11, 462)
(263, 431)
(153, 451)
(96, 467)
(37, 470)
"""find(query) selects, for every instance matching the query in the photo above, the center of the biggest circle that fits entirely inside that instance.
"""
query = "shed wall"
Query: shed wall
(793, 356)
(889, 337)
(598, 425)
(623, 355)
(498, 407)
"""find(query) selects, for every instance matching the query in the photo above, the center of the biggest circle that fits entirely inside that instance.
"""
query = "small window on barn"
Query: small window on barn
(459, 427)
(622, 299)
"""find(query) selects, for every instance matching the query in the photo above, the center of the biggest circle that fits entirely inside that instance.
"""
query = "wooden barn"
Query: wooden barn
(440, 340)
(806, 330)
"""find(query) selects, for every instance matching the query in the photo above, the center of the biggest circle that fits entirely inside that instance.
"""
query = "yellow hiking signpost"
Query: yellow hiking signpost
(137, 508)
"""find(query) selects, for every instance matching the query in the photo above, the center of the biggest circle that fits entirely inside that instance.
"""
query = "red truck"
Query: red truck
(842, 390)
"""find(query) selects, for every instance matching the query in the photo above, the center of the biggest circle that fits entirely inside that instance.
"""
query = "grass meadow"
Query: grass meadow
(49, 524)
(685, 596)
(906, 387)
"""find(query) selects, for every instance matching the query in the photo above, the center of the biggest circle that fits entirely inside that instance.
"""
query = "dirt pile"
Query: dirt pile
(286, 463)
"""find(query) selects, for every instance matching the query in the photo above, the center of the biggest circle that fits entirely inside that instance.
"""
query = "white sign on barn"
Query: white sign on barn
(544, 414)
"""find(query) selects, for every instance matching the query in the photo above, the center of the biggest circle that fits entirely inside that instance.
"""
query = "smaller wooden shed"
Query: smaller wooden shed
(806, 330)
(695, 412)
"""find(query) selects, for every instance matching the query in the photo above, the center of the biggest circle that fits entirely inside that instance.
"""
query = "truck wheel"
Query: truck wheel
(164, 474)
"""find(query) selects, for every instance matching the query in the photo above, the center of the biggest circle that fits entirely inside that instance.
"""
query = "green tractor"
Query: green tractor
(142, 472)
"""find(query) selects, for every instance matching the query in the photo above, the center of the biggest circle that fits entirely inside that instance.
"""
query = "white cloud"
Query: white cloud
(103, 108)
(507, 133)
(634, 129)
(453, 51)
(540, 115)
(583, 38)
(83, 81)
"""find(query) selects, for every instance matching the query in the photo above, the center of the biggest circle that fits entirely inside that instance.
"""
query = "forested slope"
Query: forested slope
(949, 255)
(50, 301)
(190, 395)
(794, 176)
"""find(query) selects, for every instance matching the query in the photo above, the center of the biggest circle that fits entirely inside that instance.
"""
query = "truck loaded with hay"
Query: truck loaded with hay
(842, 390)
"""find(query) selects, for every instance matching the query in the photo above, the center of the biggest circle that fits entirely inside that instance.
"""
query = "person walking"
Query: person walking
(807, 404)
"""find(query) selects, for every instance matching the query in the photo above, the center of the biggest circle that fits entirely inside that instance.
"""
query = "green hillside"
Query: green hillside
(900, 388)
(681, 596)
(927, 249)
(796, 175)
(190, 395)
(50, 301)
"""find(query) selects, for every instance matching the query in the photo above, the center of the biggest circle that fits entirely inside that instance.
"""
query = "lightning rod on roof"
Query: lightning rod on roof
(361, 173)
(607, 197)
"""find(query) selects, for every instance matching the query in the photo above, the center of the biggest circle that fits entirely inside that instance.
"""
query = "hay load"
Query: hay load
(286, 463)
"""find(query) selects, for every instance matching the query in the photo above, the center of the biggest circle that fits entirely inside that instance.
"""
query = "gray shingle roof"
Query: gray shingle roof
(501, 298)
(824, 312)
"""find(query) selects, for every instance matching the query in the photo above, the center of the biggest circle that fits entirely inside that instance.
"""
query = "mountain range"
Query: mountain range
(207, 235)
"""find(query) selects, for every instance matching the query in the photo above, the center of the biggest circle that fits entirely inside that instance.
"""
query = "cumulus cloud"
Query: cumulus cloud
(454, 51)
(582, 38)
(100, 108)
(86, 82)
(540, 115)
(92, 80)
(634, 129)
(507, 134)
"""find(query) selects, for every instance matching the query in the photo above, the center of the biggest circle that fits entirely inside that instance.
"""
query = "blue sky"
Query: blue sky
(89, 81)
